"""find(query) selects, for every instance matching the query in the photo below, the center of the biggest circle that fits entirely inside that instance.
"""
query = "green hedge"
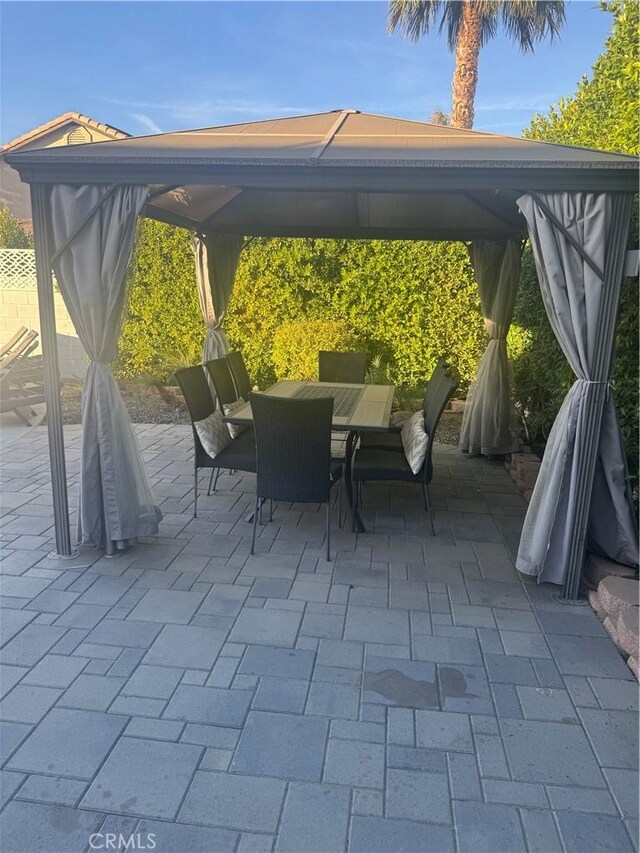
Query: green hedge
(296, 345)
(163, 328)
(406, 303)
(12, 233)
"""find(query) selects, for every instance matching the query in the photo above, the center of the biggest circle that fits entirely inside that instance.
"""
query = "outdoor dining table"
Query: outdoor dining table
(355, 408)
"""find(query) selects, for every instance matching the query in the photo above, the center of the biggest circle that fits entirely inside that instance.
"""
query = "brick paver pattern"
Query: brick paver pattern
(412, 694)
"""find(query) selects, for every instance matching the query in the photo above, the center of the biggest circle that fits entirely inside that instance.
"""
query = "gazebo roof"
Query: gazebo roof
(340, 173)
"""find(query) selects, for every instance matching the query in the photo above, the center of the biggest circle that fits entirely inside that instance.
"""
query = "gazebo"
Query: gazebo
(352, 175)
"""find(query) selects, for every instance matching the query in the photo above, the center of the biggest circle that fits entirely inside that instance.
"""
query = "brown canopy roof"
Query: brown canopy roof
(340, 173)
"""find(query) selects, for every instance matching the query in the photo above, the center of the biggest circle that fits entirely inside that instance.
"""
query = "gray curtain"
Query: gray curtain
(580, 282)
(217, 258)
(487, 415)
(93, 229)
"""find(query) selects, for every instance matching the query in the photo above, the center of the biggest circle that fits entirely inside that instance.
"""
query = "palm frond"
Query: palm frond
(413, 17)
(452, 18)
(526, 22)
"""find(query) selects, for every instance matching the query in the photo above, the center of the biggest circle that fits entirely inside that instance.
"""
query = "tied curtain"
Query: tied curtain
(217, 258)
(580, 273)
(92, 235)
(487, 415)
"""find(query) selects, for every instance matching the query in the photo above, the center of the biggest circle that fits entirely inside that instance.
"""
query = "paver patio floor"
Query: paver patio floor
(412, 695)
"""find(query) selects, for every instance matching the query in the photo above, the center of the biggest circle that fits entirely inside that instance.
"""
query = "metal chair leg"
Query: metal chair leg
(270, 510)
(215, 471)
(340, 505)
(427, 506)
(195, 494)
(328, 530)
(424, 496)
(255, 524)
(354, 505)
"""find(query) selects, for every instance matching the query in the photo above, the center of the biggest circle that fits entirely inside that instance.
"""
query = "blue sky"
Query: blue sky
(153, 66)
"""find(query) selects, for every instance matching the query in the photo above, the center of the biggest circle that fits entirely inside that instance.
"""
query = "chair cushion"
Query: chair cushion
(414, 441)
(399, 419)
(213, 434)
(240, 453)
(382, 465)
(382, 440)
(235, 429)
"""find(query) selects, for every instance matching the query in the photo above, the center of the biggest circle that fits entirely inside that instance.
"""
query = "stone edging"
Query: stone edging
(616, 602)
(523, 468)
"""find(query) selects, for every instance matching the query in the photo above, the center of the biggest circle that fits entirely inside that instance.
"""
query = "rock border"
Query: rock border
(523, 468)
(616, 601)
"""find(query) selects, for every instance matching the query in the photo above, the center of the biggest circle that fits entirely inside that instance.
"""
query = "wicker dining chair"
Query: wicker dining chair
(239, 455)
(223, 385)
(344, 367)
(390, 466)
(239, 374)
(391, 440)
(293, 450)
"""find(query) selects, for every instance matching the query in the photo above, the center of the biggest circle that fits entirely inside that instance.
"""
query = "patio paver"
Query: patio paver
(413, 694)
(144, 777)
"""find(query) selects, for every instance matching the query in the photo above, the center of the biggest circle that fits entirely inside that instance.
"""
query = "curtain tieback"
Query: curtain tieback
(606, 382)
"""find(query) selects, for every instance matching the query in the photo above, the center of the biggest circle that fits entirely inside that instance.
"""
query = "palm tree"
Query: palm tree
(469, 25)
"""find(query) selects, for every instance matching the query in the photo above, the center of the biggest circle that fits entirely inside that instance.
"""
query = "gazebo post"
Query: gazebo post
(46, 307)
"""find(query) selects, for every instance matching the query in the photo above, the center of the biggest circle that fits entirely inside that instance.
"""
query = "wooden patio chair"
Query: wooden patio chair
(6, 348)
(22, 343)
(22, 383)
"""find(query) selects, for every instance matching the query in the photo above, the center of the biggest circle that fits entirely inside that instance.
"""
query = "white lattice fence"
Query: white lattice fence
(17, 269)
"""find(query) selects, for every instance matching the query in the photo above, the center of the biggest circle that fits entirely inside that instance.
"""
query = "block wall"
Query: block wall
(19, 307)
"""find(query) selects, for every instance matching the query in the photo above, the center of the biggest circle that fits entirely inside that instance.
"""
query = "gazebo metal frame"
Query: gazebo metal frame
(339, 174)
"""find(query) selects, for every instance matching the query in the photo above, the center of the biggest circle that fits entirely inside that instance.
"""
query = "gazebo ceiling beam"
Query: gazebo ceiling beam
(158, 193)
(364, 233)
(223, 203)
(359, 228)
(488, 208)
(170, 218)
